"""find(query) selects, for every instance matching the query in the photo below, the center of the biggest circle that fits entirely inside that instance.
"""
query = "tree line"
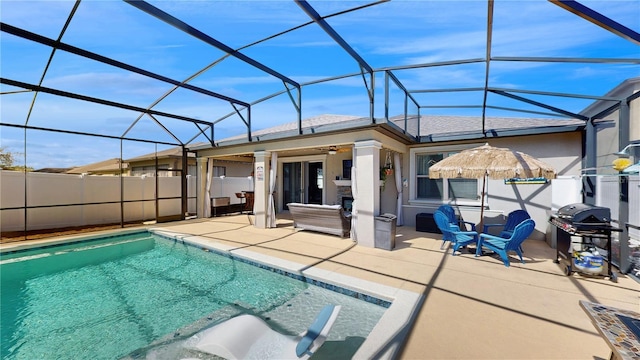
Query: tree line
(8, 160)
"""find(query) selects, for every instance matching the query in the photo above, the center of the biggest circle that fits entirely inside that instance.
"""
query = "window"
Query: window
(463, 189)
(149, 170)
(438, 190)
(346, 169)
(427, 188)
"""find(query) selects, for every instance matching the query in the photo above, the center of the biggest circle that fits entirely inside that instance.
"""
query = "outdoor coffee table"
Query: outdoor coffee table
(619, 328)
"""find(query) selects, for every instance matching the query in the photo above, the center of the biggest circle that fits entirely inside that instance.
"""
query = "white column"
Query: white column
(202, 183)
(261, 191)
(368, 183)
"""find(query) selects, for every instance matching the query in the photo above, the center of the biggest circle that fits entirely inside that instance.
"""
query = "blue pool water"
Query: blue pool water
(135, 295)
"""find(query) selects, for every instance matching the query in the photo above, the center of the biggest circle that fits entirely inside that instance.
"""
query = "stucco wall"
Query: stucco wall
(562, 151)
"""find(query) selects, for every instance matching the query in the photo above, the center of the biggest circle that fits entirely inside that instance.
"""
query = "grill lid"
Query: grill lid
(585, 213)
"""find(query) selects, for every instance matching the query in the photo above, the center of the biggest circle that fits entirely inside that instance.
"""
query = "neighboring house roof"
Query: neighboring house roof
(111, 165)
(53, 170)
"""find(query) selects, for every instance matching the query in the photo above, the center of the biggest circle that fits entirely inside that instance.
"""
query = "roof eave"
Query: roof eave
(494, 133)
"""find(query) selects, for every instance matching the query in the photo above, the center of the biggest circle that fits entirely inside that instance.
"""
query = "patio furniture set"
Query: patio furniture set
(514, 232)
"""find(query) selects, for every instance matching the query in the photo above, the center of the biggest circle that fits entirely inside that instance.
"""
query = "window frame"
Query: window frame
(445, 150)
(150, 170)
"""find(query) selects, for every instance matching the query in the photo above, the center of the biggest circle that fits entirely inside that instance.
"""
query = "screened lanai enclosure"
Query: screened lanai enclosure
(105, 82)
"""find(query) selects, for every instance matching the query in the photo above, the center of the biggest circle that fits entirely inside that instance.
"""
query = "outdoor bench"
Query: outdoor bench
(330, 219)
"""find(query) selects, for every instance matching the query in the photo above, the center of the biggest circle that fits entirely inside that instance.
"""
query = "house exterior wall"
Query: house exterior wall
(164, 164)
(634, 124)
(563, 151)
(333, 172)
(608, 129)
(235, 168)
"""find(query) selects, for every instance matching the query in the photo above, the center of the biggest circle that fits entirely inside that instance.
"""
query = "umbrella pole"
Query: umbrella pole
(484, 180)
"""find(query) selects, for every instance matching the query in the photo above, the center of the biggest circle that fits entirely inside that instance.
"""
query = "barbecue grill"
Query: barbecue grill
(582, 218)
(591, 224)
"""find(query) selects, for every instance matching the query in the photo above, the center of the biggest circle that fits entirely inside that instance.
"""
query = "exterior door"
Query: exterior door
(302, 182)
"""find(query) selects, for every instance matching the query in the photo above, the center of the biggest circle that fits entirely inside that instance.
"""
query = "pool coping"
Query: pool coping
(386, 338)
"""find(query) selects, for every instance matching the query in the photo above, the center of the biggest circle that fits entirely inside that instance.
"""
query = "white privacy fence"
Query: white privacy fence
(228, 187)
(634, 207)
(62, 200)
(608, 195)
(609, 190)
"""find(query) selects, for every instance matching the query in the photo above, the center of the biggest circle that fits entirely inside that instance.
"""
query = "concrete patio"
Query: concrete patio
(472, 308)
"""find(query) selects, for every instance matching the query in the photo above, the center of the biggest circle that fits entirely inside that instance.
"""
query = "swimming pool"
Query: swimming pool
(136, 294)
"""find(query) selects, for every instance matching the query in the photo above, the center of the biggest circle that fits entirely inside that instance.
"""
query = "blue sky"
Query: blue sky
(394, 33)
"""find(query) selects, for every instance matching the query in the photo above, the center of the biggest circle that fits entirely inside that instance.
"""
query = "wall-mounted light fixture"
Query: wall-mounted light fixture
(332, 150)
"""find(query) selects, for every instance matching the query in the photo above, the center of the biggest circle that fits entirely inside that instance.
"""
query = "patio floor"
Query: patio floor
(473, 308)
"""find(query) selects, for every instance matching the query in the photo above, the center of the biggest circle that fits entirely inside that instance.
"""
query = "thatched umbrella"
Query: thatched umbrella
(495, 163)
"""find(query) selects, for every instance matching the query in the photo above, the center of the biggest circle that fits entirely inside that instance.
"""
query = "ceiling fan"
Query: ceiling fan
(336, 149)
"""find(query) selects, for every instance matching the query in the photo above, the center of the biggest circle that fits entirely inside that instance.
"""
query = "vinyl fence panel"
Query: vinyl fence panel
(61, 200)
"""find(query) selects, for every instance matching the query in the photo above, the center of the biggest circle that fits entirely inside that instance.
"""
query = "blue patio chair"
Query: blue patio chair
(453, 219)
(452, 233)
(513, 219)
(502, 246)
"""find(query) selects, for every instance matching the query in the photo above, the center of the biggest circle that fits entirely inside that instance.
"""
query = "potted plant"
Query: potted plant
(384, 172)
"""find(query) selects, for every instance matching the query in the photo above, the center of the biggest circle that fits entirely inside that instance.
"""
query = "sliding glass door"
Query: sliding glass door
(292, 183)
(302, 182)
